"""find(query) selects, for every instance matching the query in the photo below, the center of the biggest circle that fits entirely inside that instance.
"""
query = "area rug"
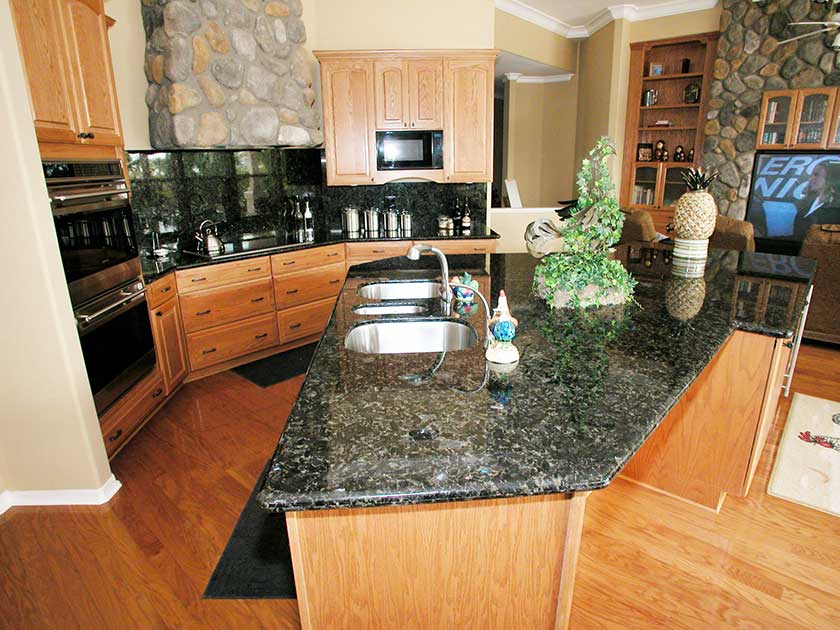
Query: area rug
(807, 468)
(256, 563)
(279, 367)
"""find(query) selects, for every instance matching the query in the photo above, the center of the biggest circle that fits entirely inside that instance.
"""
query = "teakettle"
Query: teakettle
(208, 239)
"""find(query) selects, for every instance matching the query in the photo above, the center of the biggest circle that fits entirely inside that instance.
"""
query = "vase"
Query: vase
(695, 215)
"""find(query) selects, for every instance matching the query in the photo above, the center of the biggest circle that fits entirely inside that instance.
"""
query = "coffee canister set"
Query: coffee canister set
(373, 222)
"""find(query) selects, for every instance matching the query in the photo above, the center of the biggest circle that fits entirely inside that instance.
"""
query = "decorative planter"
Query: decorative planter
(695, 215)
(684, 297)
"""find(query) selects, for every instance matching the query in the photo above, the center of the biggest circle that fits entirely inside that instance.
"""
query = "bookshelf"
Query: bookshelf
(798, 119)
(658, 66)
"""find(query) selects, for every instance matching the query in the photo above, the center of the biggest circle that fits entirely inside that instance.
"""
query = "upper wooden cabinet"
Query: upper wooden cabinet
(369, 91)
(798, 119)
(67, 60)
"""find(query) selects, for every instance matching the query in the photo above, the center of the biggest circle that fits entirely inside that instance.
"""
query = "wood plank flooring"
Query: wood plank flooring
(647, 561)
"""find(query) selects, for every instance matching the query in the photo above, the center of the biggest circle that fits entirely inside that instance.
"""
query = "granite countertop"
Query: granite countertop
(589, 389)
(250, 245)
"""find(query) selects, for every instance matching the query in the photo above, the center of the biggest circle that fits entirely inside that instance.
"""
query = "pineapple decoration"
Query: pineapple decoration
(684, 297)
(696, 211)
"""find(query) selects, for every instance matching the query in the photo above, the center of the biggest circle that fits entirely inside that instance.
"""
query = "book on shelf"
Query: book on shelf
(643, 195)
(772, 110)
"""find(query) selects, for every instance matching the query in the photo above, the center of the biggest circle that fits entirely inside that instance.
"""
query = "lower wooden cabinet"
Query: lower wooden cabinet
(304, 321)
(223, 343)
(358, 253)
(130, 412)
(170, 345)
(306, 286)
(466, 246)
(232, 303)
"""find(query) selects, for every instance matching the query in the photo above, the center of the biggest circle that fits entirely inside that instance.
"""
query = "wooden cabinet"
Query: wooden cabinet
(305, 320)
(358, 253)
(348, 103)
(304, 259)
(305, 286)
(170, 344)
(67, 60)
(223, 343)
(210, 276)
(122, 420)
(467, 246)
(366, 91)
(656, 188)
(798, 119)
(215, 307)
(468, 124)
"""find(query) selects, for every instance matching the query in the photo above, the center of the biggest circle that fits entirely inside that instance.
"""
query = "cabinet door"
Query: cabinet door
(43, 50)
(645, 184)
(391, 96)
(170, 343)
(834, 135)
(813, 115)
(425, 93)
(90, 61)
(468, 128)
(775, 126)
(348, 121)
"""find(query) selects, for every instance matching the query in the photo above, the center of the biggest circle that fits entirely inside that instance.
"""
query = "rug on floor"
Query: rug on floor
(279, 367)
(256, 562)
(807, 467)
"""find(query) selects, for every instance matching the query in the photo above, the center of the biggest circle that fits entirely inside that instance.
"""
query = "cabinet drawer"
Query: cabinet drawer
(210, 276)
(121, 421)
(223, 343)
(466, 246)
(307, 286)
(160, 290)
(367, 252)
(307, 259)
(205, 309)
(303, 321)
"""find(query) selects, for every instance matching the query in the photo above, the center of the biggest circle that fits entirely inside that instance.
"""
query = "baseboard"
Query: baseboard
(97, 496)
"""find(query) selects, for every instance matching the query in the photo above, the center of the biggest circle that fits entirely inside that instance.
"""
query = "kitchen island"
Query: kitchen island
(423, 491)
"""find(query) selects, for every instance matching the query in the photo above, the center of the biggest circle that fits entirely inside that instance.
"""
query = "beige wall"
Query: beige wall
(529, 40)
(559, 122)
(677, 25)
(128, 42)
(49, 430)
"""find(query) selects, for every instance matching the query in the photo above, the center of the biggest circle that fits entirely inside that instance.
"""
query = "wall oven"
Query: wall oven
(96, 238)
(409, 150)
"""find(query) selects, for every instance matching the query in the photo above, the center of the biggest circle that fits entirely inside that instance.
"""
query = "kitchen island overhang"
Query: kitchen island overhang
(588, 393)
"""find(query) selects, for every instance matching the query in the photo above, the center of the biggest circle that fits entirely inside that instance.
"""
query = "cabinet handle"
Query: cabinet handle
(159, 314)
(91, 136)
(412, 124)
(166, 289)
(254, 269)
(115, 436)
(157, 392)
(291, 262)
(202, 279)
(262, 336)
(255, 300)
(334, 281)
(373, 179)
(86, 136)
(202, 313)
(210, 351)
(292, 292)
(298, 325)
(333, 255)
(378, 251)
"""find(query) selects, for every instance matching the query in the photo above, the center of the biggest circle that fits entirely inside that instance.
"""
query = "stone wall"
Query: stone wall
(229, 73)
(750, 60)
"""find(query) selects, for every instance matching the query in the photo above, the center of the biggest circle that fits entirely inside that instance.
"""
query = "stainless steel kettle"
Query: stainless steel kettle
(208, 239)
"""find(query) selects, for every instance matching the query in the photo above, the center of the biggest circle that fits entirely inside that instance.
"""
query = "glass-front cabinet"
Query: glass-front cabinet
(656, 188)
(645, 183)
(798, 119)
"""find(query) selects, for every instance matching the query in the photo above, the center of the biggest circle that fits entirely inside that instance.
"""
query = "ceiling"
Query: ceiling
(576, 18)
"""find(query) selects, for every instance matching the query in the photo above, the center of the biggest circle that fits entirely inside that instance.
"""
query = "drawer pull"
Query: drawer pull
(202, 279)
(292, 292)
(334, 281)
(262, 336)
(255, 300)
(166, 289)
(255, 269)
(157, 392)
(333, 255)
(207, 312)
(159, 314)
(291, 262)
(115, 435)
(210, 351)
(478, 249)
(298, 325)
(378, 251)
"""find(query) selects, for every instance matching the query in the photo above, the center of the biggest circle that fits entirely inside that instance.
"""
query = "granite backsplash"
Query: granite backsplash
(253, 190)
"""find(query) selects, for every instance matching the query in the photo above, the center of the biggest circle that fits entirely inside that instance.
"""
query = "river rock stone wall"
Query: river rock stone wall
(749, 61)
(229, 73)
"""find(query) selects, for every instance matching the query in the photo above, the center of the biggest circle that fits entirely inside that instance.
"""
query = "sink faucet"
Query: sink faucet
(445, 292)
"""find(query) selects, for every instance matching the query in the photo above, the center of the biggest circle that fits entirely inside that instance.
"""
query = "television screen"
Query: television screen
(792, 191)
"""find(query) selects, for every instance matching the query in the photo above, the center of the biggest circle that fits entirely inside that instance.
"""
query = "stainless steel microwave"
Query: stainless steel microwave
(409, 150)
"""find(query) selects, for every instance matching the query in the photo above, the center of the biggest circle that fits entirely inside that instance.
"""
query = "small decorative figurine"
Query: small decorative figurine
(665, 156)
(462, 294)
(691, 94)
(659, 150)
(690, 155)
(679, 154)
(503, 327)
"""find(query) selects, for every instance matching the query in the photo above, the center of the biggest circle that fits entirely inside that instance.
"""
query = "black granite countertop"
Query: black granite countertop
(240, 245)
(589, 389)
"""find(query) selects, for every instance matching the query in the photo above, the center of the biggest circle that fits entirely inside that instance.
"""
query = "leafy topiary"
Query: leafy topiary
(581, 274)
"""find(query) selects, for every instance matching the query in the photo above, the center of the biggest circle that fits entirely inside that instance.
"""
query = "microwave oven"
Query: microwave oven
(409, 150)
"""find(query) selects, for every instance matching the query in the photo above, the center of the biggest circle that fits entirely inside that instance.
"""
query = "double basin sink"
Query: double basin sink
(405, 327)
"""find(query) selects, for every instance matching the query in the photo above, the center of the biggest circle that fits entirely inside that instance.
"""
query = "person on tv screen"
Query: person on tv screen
(821, 202)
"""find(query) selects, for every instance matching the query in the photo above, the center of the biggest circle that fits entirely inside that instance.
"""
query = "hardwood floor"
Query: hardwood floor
(647, 561)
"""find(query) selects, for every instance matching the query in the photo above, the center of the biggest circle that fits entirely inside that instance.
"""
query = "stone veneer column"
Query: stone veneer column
(750, 61)
(229, 73)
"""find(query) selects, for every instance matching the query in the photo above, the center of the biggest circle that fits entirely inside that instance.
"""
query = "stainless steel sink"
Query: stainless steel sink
(399, 290)
(410, 336)
(386, 308)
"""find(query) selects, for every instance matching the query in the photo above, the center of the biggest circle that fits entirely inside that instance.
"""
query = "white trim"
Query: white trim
(629, 12)
(96, 496)
(552, 78)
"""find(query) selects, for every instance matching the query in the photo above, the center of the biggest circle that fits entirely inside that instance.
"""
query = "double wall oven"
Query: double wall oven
(92, 214)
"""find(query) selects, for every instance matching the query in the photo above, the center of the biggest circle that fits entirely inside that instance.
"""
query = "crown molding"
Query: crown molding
(518, 77)
(629, 12)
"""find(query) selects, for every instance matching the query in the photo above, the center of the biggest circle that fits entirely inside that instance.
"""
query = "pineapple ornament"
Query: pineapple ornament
(696, 211)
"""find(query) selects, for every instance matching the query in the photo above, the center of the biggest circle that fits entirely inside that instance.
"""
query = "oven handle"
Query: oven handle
(84, 320)
(62, 198)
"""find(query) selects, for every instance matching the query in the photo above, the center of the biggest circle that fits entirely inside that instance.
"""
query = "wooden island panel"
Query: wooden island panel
(489, 564)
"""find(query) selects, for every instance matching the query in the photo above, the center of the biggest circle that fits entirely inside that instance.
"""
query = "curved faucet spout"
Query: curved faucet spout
(445, 293)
